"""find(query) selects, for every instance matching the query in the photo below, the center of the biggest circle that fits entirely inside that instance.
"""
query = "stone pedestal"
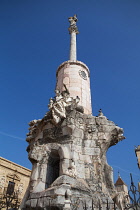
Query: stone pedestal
(71, 157)
(76, 76)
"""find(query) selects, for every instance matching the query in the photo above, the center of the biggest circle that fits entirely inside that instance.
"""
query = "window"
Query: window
(10, 188)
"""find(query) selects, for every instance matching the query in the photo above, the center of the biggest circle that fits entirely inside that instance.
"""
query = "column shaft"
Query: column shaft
(73, 56)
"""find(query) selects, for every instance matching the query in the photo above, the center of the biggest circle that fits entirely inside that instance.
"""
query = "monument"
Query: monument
(67, 148)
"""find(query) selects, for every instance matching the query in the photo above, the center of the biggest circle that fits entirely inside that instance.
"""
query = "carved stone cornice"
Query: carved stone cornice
(68, 63)
(4, 163)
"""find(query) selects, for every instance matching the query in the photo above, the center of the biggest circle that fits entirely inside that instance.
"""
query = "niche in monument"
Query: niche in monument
(52, 168)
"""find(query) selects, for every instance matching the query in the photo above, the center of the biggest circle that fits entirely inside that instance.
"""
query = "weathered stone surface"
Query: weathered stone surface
(71, 155)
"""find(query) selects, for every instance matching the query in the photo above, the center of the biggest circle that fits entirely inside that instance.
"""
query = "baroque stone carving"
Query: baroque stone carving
(72, 151)
(72, 169)
(33, 131)
(38, 155)
(59, 103)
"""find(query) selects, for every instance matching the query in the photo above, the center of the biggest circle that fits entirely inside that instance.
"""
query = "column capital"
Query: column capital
(73, 27)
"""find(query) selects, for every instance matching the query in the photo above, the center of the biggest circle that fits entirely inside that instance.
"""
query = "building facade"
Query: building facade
(14, 180)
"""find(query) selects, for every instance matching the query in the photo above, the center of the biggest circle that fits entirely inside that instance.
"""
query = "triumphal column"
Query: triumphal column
(75, 74)
(67, 147)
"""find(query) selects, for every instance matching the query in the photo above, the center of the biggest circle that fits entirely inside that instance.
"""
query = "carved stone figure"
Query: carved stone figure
(73, 27)
(72, 153)
(72, 169)
(59, 103)
(33, 131)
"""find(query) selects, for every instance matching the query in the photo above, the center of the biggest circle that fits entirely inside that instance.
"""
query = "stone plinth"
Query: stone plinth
(69, 161)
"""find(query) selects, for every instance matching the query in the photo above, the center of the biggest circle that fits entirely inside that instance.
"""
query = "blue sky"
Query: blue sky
(34, 41)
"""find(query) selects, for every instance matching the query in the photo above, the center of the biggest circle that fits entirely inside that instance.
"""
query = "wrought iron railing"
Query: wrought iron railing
(93, 206)
(134, 196)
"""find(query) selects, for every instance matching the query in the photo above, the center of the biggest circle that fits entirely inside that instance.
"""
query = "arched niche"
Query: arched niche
(53, 167)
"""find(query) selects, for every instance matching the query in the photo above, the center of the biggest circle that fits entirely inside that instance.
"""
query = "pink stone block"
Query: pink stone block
(75, 93)
(75, 80)
(75, 88)
(66, 80)
(66, 71)
(75, 84)
(66, 75)
(69, 75)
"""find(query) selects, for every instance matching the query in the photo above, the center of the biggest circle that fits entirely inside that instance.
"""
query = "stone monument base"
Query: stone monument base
(69, 191)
